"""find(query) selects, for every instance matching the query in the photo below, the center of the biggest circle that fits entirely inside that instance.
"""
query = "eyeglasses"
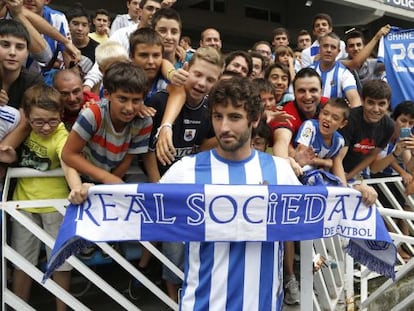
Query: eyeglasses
(75, 92)
(41, 123)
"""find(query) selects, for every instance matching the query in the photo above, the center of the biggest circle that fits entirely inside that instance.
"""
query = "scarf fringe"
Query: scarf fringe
(373, 263)
(71, 247)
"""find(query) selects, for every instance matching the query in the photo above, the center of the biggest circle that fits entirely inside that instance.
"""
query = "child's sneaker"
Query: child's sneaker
(292, 293)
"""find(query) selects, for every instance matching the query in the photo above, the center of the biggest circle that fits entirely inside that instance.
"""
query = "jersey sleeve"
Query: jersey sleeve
(348, 81)
(306, 134)
(10, 118)
(306, 58)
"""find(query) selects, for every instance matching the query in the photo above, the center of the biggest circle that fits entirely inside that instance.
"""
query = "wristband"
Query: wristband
(161, 127)
(169, 73)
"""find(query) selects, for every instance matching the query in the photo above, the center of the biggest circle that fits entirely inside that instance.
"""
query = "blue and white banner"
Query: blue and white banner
(191, 212)
(396, 50)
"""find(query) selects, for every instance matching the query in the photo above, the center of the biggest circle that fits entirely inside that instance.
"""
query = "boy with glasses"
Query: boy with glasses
(42, 150)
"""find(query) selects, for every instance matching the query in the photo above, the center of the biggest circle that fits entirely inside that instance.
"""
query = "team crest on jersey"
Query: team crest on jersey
(307, 133)
(189, 134)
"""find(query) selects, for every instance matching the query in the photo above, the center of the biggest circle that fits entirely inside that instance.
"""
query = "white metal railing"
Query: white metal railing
(327, 288)
(8, 254)
(389, 215)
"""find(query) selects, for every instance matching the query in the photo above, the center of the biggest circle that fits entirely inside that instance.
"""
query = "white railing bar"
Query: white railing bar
(402, 238)
(396, 214)
(137, 274)
(24, 172)
(49, 241)
(3, 259)
(316, 306)
(322, 290)
(306, 275)
(59, 204)
(349, 281)
(327, 273)
(16, 172)
(388, 283)
(15, 301)
(37, 275)
(390, 196)
(405, 304)
(382, 180)
(163, 259)
(62, 202)
(331, 248)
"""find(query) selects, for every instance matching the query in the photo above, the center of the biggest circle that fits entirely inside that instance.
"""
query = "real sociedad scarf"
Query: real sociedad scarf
(194, 212)
(396, 50)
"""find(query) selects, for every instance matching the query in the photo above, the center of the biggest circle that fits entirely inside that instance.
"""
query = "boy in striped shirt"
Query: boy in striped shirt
(106, 137)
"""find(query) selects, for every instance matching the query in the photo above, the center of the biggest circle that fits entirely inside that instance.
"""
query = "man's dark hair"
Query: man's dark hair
(77, 11)
(306, 73)
(282, 67)
(238, 92)
(263, 85)
(11, 27)
(144, 36)
(263, 130)
(166, 13)
(229, 74)
(126, 77)
(280, 31)
(303, 32)
(376, 89)
(142, 3)
(406, 107)
(254, 54)
(232, 55)
(354, 34)
(341, 103)
(324, 16)
(254, 47)
(101, 12)
(186, 39)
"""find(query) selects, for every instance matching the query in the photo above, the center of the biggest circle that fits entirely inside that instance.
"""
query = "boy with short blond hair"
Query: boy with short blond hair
(190, 131)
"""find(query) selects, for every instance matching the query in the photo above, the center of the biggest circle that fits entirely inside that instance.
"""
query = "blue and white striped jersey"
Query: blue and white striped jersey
(310, 135)
(58, 20)
(232, 275)
(9, 119)
(336, 81)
